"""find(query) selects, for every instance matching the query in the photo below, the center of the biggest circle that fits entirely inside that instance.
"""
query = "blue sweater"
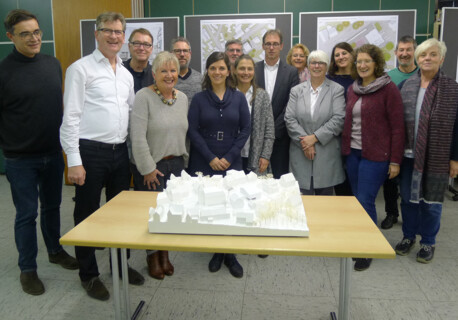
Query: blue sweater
(217, 129)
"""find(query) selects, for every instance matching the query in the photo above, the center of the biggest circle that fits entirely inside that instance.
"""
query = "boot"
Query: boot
(167, 267)
(154, 267)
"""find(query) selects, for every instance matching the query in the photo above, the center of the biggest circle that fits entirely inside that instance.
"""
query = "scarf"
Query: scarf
(434, 136)
(375, 85)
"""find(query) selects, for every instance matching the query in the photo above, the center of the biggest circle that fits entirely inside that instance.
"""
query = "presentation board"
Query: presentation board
(448, 29)
(322, 30)
(209, 33)
(164, 30)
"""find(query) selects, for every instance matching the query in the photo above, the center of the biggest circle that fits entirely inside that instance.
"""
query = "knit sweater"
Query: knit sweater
(382, 124)
(30, 105)
(157, 130)
(190, 83)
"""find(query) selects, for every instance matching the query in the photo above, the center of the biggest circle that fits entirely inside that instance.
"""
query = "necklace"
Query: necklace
(163, 99)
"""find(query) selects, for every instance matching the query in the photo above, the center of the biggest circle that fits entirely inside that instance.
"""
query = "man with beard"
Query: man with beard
(189, 80)
(406, 68)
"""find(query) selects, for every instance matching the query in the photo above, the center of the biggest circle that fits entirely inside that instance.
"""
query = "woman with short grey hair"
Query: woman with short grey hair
(314, 119)
(430, 101)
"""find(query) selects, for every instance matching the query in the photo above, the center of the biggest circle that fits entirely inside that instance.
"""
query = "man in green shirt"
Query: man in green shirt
(406, 67)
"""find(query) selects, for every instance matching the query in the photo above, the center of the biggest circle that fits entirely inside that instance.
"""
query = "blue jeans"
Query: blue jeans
(366, 177)
(30, 179)
(417, 218)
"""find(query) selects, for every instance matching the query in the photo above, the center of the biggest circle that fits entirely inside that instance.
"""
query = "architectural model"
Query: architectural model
(236, 204)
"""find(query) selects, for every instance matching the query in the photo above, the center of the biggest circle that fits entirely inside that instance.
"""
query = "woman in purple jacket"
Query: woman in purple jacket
(373, 136)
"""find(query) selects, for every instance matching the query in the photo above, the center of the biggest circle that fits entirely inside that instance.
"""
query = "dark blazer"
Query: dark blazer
(287, 77)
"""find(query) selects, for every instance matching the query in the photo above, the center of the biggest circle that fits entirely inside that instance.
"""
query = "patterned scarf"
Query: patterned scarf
(434, 136)
(378, 83)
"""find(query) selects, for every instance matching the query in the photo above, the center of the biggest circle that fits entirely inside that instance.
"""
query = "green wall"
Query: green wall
(171, 8)
(42, 9)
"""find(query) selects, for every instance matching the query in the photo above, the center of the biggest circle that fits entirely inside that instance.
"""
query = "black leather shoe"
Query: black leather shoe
(135, 277)
(216, 262)
(96, 289)
(389, 221)
(263, 256)
(31, 284)
(362, 264)
(234, 266)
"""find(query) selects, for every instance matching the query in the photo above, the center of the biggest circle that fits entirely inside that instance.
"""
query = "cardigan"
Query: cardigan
(262, 130)
(382, 124)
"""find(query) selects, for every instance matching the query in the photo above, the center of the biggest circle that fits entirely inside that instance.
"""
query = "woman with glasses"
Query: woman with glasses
(219, 126)
(297, 57)
(314, 119)
(373, 135)
(158, 127)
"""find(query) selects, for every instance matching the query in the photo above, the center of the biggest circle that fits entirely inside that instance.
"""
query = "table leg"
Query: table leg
(344, 288)
(125, 282)
(115, 274)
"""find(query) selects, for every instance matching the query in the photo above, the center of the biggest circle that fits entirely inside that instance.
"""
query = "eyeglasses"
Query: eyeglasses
(234, 50)
(29, 35)
(145, 45)
(178, 51)
(109, 32)
(360, 62)
(270, 44)
(317, 63)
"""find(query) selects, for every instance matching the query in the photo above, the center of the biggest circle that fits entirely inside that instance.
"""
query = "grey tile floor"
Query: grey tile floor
(274, 288)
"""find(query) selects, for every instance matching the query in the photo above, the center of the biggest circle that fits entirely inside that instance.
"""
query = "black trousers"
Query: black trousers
(391, 194)
(279, 160)
(105, 167)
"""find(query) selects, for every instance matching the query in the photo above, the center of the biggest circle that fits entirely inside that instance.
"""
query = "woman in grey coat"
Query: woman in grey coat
(257, 150)
(314, 119)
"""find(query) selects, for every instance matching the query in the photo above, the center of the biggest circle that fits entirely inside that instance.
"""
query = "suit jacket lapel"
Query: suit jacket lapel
(323, 92)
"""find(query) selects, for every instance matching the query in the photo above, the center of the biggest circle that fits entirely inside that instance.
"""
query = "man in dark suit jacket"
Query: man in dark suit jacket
(277, 78)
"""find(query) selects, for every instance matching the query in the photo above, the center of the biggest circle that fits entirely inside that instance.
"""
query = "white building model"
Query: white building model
(236, 204)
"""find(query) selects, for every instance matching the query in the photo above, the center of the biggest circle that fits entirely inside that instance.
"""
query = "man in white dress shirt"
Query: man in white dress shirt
(99, 92)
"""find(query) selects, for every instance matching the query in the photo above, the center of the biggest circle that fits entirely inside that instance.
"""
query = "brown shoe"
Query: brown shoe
(154, 267)
(63, 259)
(31, 284)
(165, 263)
(96, 289)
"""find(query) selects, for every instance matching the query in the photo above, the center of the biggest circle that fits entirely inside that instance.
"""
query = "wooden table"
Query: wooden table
(339, 227)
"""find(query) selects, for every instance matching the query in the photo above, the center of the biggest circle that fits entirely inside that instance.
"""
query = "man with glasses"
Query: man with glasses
(30, 117)
(277, 78)
(140, 48)
(234, 49)
(99, 93)
(189, 80)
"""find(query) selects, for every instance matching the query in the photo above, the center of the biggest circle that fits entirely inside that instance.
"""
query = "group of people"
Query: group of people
(340, 124)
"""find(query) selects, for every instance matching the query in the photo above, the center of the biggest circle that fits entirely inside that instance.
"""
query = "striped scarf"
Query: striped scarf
(434, 136)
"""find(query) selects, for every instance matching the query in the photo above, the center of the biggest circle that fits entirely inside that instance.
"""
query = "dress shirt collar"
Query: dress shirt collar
(275, 66)
(98, 55)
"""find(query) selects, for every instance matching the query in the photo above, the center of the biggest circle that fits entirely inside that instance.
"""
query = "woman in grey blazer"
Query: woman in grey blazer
(314, 119)
(257, 150)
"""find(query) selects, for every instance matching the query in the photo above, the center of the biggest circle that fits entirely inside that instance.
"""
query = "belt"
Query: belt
(168, 158)
(101, 145)
(219, 135)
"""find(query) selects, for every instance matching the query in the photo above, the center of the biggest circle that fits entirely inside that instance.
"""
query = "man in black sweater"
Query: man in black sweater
(30, 117)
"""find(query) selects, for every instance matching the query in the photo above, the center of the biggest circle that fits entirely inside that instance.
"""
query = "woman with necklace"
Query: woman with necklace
(373, 135)
(158, 127)
(219, 126)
